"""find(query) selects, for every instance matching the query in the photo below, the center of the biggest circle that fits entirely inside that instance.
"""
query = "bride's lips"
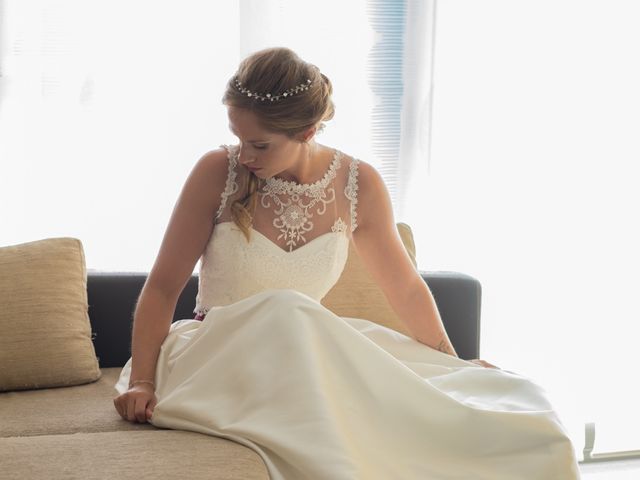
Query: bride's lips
(253, 169)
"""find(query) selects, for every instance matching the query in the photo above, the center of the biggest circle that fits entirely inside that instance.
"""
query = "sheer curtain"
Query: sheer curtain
(106, 107)
(533, 189)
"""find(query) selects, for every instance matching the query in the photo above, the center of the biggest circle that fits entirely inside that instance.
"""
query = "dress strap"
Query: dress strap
(351, 191)
(231, 186)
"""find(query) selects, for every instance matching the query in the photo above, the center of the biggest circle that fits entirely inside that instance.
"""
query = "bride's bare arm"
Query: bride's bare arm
(185, 238)
(378, 244)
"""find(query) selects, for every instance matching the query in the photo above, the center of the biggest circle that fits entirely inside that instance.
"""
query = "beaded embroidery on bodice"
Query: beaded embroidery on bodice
(299, 239)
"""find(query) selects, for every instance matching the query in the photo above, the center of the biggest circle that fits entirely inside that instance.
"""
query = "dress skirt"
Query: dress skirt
(323, 397)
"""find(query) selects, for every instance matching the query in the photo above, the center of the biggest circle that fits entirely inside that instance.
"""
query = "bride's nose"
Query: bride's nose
(245, 159)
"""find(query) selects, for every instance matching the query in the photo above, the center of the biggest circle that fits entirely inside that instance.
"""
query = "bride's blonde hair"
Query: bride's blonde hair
(276, 70)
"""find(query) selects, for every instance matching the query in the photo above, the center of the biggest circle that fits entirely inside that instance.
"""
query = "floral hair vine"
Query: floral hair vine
(269, 96)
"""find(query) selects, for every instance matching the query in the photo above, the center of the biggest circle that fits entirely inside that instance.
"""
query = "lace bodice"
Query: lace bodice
(283, 253)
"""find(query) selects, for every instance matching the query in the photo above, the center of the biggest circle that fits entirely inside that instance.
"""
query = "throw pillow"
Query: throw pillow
(357, 295)
(45, 334)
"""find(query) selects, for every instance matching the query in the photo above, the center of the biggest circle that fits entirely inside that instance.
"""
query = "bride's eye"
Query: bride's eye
(261, 147)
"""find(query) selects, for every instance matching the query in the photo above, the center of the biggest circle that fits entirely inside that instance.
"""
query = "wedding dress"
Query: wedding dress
(319, 396)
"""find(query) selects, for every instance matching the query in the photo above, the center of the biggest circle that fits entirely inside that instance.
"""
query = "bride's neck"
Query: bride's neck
(311, 165)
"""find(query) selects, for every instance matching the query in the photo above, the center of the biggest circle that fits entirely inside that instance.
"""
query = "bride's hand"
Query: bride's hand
(137, 403)
(482, 363)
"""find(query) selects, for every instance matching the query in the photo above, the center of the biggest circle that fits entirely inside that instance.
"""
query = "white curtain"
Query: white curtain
(106, 107)
(415, 128)
(533, 189)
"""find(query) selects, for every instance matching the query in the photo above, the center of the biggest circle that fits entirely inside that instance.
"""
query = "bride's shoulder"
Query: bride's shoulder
(366, 184)
(218, 158)
(218, 164)
(365, 174)
(360, 166)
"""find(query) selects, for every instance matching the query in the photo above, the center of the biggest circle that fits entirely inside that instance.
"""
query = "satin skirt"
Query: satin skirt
(319, 396)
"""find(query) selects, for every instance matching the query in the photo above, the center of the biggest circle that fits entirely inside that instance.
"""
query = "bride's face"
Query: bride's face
(264, 153)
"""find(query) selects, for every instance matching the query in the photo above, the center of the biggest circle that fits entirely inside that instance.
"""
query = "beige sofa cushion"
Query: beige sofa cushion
(84, 408)
(357, 295)
(45, 334)
(157, 454)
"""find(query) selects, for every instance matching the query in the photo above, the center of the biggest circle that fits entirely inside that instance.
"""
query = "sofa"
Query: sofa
(74, 432)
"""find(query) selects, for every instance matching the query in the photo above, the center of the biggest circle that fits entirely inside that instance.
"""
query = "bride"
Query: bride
(265, 364)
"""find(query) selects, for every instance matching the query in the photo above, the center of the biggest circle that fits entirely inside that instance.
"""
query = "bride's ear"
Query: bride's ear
(307, 134)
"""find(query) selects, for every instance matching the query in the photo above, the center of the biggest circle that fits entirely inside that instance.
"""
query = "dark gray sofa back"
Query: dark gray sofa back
(112, 298)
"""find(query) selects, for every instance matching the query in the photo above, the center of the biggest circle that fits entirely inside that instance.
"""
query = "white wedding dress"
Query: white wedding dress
(323, 397)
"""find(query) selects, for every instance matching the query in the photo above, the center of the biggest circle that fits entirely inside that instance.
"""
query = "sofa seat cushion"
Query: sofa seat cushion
(81, 408)
(130, 455)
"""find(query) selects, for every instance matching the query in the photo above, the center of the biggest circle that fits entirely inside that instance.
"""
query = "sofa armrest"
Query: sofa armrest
(458, 298)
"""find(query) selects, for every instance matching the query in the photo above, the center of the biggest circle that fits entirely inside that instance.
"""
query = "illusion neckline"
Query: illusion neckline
(280, 184)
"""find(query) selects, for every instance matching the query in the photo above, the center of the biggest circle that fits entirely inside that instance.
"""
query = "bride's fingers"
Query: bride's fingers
(489, 365)
(118, 408)
(485, 364)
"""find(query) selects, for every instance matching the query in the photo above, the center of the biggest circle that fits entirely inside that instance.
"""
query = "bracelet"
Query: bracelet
(131, 384)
